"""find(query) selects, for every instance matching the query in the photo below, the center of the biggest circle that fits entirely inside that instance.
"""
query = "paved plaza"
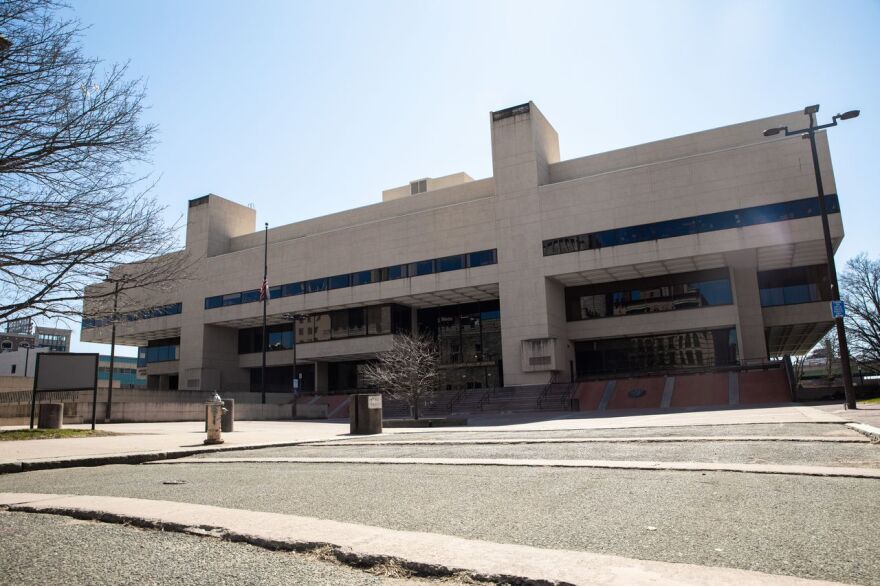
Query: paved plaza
(782, 495)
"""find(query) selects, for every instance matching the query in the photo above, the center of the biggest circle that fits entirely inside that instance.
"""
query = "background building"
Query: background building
(696, 254)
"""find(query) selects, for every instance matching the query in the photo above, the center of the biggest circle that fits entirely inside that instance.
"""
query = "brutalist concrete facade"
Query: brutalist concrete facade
(694, 252)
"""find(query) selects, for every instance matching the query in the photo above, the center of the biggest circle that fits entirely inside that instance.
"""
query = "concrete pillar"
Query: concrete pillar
(750, 334)
(524, 144)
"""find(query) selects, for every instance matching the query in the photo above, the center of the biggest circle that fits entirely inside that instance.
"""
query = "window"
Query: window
(316, 285)
(650, 295)
(232, 299)
(250, 296)
(395, 272)
(365, 277)
(777, 212)
(450, 263)
(794, 285)
(340, 281)
(291, 289)
(423, 267)
(482, 258)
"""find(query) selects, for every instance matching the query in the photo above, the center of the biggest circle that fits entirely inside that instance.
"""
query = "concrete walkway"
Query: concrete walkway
(427, 553)
(143, 442)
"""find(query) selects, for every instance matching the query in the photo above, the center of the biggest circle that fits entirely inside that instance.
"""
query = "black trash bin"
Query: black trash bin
(365, 412)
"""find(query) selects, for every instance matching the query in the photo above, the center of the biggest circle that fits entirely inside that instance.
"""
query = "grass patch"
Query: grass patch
(874, 401)
(34, 434)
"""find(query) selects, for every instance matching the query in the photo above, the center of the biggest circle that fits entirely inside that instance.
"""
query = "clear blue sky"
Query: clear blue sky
(307, 108)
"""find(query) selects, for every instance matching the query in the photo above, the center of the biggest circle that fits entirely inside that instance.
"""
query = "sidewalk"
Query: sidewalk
(143, 442)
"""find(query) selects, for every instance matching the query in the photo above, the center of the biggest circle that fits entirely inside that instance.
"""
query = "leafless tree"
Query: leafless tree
(831, 351)
(408, 371)
(860, 287)
(71, 136)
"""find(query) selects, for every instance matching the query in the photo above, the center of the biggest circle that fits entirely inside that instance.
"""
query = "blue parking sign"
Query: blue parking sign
(837, 310)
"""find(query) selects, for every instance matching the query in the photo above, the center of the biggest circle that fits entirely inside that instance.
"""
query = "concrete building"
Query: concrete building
(696, 254)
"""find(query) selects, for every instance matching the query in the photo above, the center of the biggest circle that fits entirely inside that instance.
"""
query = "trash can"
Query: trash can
(227, 422)
(365, 412)
(51, 416)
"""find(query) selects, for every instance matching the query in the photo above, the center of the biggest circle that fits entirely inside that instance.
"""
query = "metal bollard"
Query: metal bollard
(215, 417)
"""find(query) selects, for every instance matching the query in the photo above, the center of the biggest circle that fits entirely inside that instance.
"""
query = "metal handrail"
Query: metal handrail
(487, 397)
(546, 390)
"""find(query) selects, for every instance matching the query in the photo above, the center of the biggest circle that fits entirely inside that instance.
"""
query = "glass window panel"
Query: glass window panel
(250, 296)
(450, 263)
(395, 272)
(316, 285)
(357, 321)
(379, 320)
(323, 327)
(340, 281)
(482, 258)
(212, 302)
(366, 277)
(232, 299)
(291, 289)
(275, 292)
(424, 267)
(339, 324)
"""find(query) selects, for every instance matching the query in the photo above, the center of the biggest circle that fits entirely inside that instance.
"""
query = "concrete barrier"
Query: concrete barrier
(51, 416)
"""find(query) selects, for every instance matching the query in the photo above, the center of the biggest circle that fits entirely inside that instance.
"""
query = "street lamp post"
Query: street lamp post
(810, 133)
(294, 317)
(112, 351)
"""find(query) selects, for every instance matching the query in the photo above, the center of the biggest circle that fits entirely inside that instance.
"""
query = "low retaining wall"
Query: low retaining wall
(146, 412)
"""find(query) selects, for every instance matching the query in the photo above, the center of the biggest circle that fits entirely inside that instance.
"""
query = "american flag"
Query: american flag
(264, 289)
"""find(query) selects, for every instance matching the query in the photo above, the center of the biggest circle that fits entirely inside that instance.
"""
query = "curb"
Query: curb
(418, 554)
(129, 458)
(871, 432)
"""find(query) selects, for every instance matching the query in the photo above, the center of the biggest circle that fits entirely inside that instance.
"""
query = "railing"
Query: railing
(566, 396)
(487, 396)
(554, 378)
(456, 399)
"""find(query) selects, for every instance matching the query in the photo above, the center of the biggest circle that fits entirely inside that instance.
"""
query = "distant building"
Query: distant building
(21, 334)
(22, 362)
(700, 253)
(125, 373)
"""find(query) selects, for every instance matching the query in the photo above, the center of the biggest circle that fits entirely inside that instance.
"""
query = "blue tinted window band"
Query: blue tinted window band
(403, 271)
(160, 311)
(776, 212)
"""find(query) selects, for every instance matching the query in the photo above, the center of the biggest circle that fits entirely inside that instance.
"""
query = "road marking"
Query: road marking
(354, 544)
(794, 469)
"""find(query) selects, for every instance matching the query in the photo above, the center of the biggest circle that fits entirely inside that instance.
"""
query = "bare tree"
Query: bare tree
(408, 371)
(860, 287)
(71, 206)
(831, 351)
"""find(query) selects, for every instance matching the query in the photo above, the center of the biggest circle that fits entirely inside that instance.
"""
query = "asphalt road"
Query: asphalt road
(862, 455)
(806, 526)
(764, 429)
(47, 549)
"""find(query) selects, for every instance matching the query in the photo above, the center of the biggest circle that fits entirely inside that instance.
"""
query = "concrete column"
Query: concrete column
(750, 335)
(524, 144)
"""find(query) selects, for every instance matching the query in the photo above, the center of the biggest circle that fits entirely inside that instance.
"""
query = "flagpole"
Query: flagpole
(264, 293)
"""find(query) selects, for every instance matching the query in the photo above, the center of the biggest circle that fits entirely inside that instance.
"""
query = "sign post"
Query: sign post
(65, 371)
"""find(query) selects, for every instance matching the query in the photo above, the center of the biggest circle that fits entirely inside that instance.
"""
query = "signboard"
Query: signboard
(374, 402)
(837, 310)
(65, 371)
